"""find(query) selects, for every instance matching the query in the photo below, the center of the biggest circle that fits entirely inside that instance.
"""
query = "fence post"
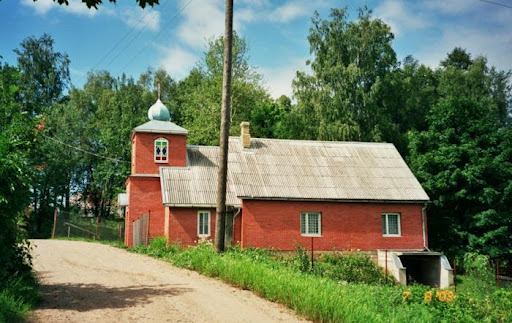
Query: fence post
(119, 233)
(97, 236)
(386, 261)
(69, 230)
(455, 275)
(312, 259)
(54, 223)
(147, 235)
(497, 273)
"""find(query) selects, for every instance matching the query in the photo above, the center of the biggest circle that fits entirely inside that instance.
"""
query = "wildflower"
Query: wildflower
(406, 295)
(428, 297)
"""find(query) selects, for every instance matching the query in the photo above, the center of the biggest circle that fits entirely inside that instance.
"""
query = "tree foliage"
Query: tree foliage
(16, 145)
(96, 3)
(44, 73)
(464, 161)
(342, 99)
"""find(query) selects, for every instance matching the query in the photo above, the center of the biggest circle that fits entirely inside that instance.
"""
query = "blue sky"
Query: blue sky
(124, 38)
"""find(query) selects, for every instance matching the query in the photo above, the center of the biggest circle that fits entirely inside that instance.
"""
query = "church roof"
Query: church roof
(158, 126)
(294, 170)
(196, 184)
(159, 121)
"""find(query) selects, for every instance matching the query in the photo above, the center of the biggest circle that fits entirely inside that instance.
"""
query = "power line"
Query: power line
(137, 35)
(156, 36)
(85, 151)
(122, 39)
(497, 3)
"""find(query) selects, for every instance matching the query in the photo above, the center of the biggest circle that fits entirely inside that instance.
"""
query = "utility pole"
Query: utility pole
(220, 222)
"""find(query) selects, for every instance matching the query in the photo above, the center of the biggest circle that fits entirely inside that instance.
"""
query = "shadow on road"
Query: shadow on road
(86, 297)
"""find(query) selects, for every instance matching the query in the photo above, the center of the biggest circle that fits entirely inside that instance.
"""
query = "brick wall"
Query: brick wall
(143, 153)
(345, 226)
(183, 226)
(144, 195)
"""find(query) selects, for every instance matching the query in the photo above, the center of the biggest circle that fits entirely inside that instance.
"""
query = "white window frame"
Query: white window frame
(154, 151)
(387, 234)
(204, 235)
(307, 214)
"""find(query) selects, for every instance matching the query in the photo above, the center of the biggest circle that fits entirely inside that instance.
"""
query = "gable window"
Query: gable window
(161, 150)
(203, 223)
(310, 224)
(391, 225)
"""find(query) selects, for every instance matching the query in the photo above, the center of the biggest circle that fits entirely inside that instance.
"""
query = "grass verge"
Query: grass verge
(325, 299)
(17, 297)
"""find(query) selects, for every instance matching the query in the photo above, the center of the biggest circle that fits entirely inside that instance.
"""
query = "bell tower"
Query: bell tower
(156, 143)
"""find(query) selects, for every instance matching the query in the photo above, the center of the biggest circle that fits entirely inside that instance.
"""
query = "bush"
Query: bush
(352, 267)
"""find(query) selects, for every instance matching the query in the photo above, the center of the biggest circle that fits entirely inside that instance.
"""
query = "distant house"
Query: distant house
(345, 195)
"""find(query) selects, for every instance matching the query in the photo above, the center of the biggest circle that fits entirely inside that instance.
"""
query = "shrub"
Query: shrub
(353, 267)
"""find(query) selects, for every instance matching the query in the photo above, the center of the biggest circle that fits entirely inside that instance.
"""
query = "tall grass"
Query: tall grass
(324, 298)
(17, 296)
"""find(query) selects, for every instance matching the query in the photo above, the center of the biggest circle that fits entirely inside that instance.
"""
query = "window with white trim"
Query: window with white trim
(203, 223)
(161, 150)
(391, 225)
(310, 224)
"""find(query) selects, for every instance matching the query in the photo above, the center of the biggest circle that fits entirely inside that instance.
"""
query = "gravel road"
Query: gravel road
(89, 282)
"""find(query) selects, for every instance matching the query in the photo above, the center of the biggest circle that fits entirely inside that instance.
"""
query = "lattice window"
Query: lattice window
(161, 150)
(391, 225)
(310, 224)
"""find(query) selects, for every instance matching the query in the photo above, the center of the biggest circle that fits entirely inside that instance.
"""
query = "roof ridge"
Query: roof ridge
(320, 141)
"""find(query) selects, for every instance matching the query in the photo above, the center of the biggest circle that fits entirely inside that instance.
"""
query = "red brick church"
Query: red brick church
(345, 195)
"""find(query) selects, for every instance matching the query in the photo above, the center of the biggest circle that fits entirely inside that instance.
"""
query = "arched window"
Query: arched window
(161, 150)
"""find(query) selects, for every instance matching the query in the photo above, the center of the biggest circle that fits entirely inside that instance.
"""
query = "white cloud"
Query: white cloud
(399, 17)
(202, 20)
(41, 7)
(290, 11)
(176, 61)
(278, 80)
(139, 18)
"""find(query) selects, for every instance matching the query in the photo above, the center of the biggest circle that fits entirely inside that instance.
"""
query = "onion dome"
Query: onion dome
(159, 111)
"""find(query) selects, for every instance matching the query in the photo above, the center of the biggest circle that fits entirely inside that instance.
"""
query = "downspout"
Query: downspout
(425, 247)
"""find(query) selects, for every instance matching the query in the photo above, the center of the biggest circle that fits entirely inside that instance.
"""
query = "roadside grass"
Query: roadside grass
(17, 297)
(345, 288)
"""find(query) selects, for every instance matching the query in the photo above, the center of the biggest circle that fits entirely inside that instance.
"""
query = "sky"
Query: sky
(123, 38)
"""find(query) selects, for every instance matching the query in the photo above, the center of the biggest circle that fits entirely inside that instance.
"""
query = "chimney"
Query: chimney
(245, 136)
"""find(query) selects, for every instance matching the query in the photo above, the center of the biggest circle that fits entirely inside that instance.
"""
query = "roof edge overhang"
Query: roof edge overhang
(198, 205)
(172, 132)
(332, 200)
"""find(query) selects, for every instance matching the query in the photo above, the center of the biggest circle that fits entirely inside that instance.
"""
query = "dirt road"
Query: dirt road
(89, 282)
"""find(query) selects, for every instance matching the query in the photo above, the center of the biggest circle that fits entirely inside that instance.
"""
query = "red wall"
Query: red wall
(143, 154)
(345, 226)
(183, 226)
(144, 195)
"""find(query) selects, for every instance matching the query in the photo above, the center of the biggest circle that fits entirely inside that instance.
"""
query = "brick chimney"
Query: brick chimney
(245, 136)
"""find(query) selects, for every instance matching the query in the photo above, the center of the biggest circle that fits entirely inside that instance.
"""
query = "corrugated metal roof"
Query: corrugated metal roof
(294, 169)
(158, 126)
(319, 170)
(196, 184)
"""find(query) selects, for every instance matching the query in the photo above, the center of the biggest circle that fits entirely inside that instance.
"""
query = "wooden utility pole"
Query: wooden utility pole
(220, 221)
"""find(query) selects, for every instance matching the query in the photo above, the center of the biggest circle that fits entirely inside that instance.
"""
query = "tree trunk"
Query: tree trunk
(224, 130)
